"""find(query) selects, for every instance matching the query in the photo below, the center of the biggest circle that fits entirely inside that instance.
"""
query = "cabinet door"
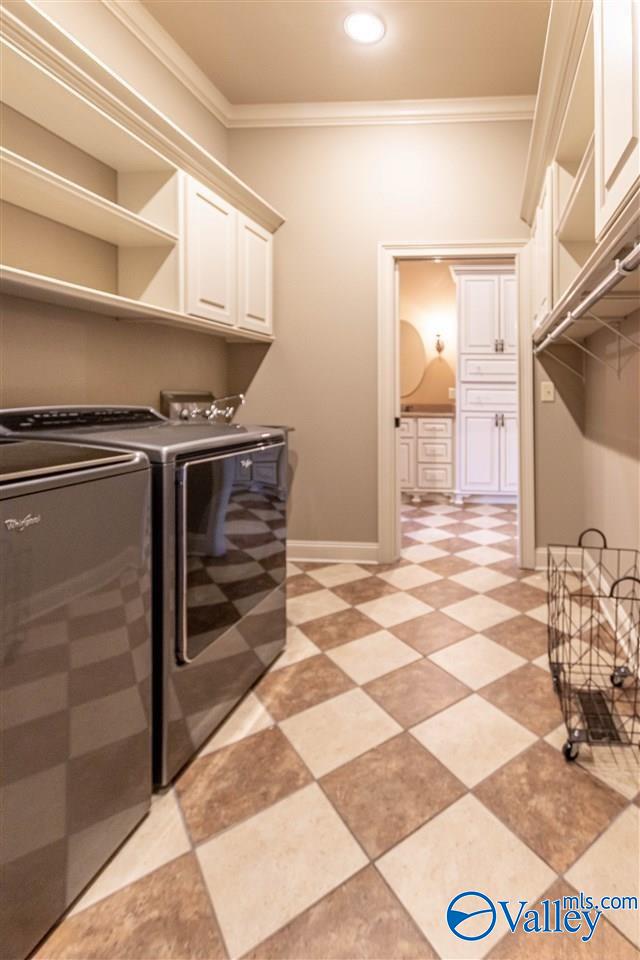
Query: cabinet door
(509, 314)
(210, 255)
(543, 254)
(255, 276)
(479, 308)
(617, 105)
(479, 457)
(509, 454)
(407, 462)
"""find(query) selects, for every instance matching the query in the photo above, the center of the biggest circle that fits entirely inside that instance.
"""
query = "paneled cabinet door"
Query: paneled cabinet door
(407, 463)
(255, 276)
(509, 454)
(616, 26)
(509, 314)
(479, 310)
(479, 453)
(209, 255)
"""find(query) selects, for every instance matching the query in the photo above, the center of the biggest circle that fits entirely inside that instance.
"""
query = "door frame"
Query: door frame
(389, 254)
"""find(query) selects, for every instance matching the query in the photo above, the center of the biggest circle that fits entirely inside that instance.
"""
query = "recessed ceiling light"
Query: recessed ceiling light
(364, 27)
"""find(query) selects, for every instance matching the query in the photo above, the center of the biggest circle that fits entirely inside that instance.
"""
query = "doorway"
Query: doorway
(443, 441)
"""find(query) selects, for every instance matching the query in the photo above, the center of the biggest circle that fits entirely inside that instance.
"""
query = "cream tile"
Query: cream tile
(311, 606)
(249, 717)
(542, 661)
(479, 613)
(429, 535)
(477, 660)
(292, 570)
(473, 738)
(618, 767)
(482, 579)
(487, 509)
(486, 522)
(160, 838)
(611, 867)
(483, 556)
(422, 552)
(463, 848)
(394, 608)
(372, 656)
(270, 868)
(541, 614)
(336, 731)
(434, 520)
(410, 576)
(538, 580)
(338, 573)
(299, 647)
(485, 537)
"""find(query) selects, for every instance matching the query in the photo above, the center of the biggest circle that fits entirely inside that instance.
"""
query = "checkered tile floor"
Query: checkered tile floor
(405, 748)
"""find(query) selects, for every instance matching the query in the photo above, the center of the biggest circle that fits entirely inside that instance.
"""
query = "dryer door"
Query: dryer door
(231, 541)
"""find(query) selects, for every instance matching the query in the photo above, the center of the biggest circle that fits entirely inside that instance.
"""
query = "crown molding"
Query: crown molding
(137, 19)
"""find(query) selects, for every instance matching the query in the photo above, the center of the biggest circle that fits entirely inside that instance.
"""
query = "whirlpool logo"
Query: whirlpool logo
(21, 525)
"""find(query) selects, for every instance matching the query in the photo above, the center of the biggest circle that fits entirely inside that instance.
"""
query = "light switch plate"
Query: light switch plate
(452, 393)
(547, 391)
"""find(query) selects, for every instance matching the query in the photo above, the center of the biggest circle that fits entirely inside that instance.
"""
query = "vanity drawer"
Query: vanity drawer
(434, 427)
(408, 427)
(492, 369)
(435, 476)
(434, 451)
(498, 397)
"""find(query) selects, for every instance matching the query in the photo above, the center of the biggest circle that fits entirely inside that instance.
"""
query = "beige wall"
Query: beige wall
(343, 190)
(428, 304)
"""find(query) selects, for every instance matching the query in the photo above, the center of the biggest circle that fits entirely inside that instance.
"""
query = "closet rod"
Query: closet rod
(621, 268)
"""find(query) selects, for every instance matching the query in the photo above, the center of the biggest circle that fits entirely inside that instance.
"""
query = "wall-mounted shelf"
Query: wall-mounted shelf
(41, 191)
(33, 286)
(577, 220)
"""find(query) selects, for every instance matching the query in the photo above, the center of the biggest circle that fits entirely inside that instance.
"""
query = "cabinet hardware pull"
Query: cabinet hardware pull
(496, 421)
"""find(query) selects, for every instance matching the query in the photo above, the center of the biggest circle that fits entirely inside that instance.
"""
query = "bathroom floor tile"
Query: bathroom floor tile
(481, 579)
(338, 628)
(370, 657)
(522, 635)
(409, 576)
(295, 688)
(415, 692)
(337, 574)
(431, 632)
(310, 606)
(361, 591)
(528, 696)
(476, 660)
(441, 594)
(479, 612)
(396, 608)
(520, 595)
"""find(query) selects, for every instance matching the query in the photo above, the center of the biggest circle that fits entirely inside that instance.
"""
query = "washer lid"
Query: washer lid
(27, 459)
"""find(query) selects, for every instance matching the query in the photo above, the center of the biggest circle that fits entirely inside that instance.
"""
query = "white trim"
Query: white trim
(389, 393)
(146, 29)
(332, 551)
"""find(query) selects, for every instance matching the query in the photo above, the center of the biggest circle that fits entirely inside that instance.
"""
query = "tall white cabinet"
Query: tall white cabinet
(486, 426)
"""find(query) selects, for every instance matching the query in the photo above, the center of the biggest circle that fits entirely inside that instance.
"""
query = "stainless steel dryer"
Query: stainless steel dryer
(219, 558)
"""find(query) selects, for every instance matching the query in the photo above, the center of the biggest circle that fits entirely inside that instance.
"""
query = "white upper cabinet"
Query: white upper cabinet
(509, 313)
(617, 106)
(255, 276)
(210, 255)
(479, 308)
(543, 253)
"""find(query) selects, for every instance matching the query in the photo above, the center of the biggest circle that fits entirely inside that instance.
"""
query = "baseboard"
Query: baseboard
(573, 556)
(332, 551)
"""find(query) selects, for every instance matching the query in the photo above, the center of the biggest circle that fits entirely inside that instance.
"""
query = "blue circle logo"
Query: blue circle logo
(469, 913)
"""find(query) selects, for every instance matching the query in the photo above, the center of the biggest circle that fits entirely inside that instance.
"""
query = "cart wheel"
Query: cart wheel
(570, 751)
(617, 679)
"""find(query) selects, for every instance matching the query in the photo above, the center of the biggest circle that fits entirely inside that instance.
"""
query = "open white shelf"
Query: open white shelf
(28, 185)
(34, 286)
(577, 220)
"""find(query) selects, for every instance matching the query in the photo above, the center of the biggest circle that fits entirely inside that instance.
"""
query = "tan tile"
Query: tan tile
(300, 584)
(463, 848)
(422, 552)
(541, 614)
(441, 594)
(361, 920)
(310, 606)
(476, 660)
(618, 767)
(522, 635)
(265, 871)
(566, 808)
(295, 688)
(606, 941)
(298, 648)
(448, 566)
(362, 590)
(237, 781)
(512, 569)
(248, 717)
(482, 579)
(611, 867)
(527, 695)
(338, 730)
(431, 632)
(160, 838)
(520, 595)
(416, 692)
(409, 576)
(472, 738)
(455, 545)
(166, 914)
(370, 657)
(337, 574)
(479, 612)
(390, 791)
(396, 608)
(338, 628)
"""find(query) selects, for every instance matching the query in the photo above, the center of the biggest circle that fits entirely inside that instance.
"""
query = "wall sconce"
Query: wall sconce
(439, 343)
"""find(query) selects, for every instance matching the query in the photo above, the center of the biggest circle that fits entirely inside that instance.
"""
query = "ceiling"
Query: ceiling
(295, 51)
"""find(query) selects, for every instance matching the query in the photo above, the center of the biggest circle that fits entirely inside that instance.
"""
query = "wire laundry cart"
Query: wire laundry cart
(594, 641)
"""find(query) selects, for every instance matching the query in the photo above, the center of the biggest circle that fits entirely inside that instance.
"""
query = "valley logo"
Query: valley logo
(472, 916)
